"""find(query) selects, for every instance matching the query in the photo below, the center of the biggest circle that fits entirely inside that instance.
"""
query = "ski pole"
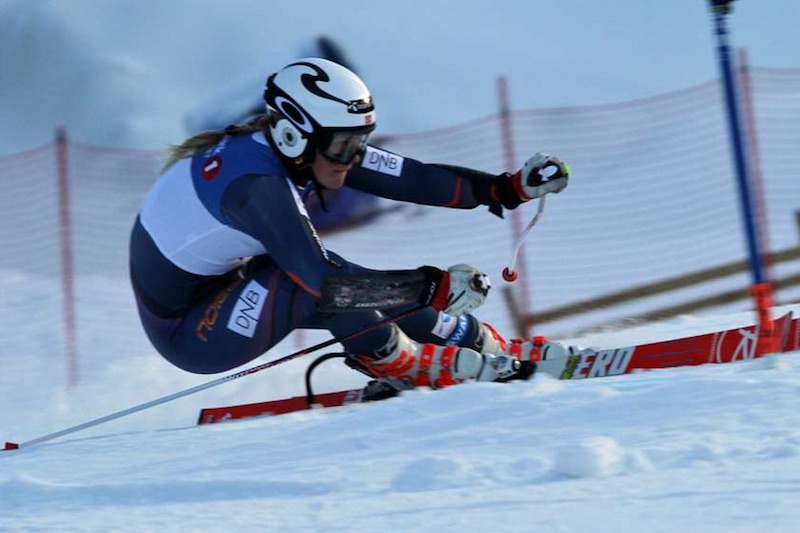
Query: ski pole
(509, 274)
(210, 384)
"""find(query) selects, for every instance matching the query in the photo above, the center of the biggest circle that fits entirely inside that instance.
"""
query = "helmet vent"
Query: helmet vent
(289, 136)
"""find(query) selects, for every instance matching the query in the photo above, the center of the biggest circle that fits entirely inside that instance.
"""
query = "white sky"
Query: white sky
(138, 67)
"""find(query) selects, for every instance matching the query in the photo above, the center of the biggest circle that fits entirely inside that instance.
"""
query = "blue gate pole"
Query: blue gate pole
(737, 138)
(761, 288)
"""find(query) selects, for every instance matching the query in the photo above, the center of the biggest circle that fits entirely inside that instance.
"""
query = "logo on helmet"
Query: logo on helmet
(290, 110)
(360, 106)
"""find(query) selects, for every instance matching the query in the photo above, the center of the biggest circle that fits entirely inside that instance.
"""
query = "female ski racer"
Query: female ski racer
(225, 262)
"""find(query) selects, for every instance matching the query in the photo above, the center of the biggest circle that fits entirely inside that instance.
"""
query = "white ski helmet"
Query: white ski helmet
(316, 104)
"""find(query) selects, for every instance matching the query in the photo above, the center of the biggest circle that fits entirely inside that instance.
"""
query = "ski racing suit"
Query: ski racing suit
(225, 262)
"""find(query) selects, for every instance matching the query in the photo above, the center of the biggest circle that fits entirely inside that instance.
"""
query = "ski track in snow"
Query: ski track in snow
(723, 438)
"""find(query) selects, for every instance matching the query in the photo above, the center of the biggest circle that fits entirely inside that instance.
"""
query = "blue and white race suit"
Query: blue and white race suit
(225, 262)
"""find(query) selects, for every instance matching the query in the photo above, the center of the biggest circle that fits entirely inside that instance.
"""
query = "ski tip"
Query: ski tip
(11, 446)
(509, 275)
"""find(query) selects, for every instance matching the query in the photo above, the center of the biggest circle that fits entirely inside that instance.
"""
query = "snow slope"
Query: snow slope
(711, 449)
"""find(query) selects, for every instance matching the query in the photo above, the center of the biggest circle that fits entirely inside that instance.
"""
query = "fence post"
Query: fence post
(509, 162)
(67, 271)
(797, 220)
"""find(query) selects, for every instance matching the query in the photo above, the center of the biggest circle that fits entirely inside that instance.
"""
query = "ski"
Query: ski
(737, 344)
(720, 347)
(279, 407)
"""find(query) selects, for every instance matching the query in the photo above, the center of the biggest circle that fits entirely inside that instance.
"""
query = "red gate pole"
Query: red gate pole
(509, 160)
(67, 271)
(762, 292)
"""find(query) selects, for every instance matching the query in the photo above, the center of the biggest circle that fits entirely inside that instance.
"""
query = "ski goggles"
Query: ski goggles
(341, 146)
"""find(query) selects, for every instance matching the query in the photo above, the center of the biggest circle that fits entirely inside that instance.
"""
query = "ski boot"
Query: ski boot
(405, 364)
(527, 352)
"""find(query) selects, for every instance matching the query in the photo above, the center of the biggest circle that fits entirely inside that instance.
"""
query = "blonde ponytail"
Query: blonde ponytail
(205, 140)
